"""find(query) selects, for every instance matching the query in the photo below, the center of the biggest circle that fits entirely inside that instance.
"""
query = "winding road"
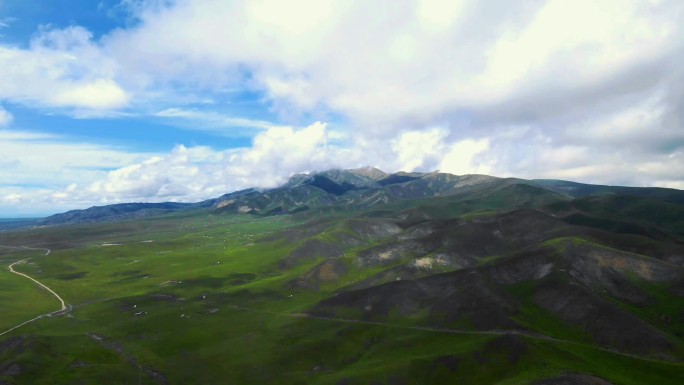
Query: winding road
(63, 306)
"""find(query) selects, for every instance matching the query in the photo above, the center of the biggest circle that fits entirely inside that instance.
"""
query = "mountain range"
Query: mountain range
(588, 279)
(364, 188)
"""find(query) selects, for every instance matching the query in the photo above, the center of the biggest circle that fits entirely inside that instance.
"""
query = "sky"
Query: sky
(114, 101)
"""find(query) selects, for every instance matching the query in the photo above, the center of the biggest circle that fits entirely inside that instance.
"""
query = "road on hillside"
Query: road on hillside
(63, 306)
(494, 332)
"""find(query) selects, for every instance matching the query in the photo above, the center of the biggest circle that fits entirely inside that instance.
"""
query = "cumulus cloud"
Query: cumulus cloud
(462, 157)
(430, 149)
(422, 59)
(600, 76)
(194, 173)
(61, 68)
(191, 174)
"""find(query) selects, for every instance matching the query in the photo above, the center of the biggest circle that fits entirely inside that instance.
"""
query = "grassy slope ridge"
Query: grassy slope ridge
(508, 282)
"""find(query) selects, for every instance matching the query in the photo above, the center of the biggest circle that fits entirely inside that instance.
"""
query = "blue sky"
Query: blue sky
(138, 129)
(26, 17)
(182, 100)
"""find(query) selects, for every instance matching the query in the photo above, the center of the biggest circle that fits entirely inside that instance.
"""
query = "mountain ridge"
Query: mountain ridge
(360, 188)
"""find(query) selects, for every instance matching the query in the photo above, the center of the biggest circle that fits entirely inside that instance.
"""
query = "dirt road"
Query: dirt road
(63, 306)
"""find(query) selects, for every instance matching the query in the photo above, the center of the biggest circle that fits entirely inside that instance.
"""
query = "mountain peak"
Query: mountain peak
(369, 172)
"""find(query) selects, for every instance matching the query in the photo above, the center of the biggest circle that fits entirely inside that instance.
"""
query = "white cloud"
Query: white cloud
(29, 159)
(61, 68)
(416, 65)
(5, 22)
(420, 60)
(12, 199)
(5, 117)
(462, 158)
(97, 94)
(214, 121)
(538, 155)
(569, 44)
(418, 149)
(432, 149)
(438, 15)
(191, 174)
(569, 71)
(196, 173)
(34, 167)
(16, 136)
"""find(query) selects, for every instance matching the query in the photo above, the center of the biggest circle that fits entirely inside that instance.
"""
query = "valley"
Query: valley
(354, 277)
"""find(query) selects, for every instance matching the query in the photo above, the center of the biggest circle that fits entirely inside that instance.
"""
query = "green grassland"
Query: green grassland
(196, 298)
(21, 299)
